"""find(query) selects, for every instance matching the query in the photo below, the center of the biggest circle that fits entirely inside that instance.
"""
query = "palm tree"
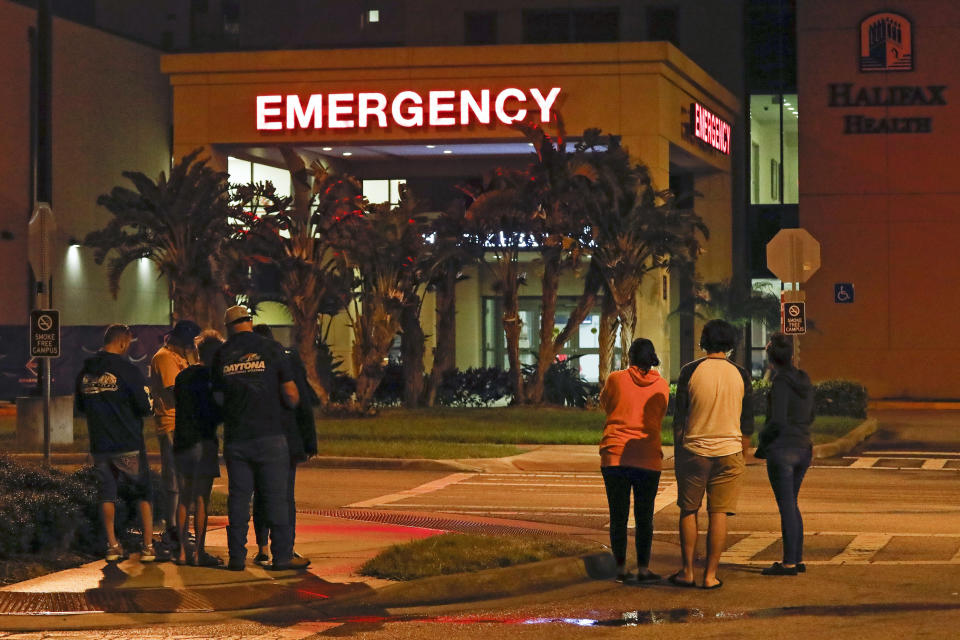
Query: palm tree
(382, 247)
(636, 230)
(448, 257)
(499, 224)
(560, 185)
(291, 234)
(178, 224)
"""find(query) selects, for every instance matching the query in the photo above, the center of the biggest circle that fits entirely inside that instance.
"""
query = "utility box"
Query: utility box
(30, 421)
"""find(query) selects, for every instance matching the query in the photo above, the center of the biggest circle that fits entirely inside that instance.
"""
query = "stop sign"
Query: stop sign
(793, 255)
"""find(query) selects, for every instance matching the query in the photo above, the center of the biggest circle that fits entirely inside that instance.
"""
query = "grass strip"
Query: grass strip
(460, 553)
(451, 433)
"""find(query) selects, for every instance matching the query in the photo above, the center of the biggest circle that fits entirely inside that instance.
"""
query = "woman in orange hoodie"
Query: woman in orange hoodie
(635, 400)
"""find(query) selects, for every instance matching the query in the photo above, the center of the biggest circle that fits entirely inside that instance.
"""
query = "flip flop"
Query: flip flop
(677, 581)
(716, 586)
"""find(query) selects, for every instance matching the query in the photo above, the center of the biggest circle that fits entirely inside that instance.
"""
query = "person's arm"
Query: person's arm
(291, 396)
(746, 413)
(140, 392)
(167, 370)
(288, 386)
(682, 408)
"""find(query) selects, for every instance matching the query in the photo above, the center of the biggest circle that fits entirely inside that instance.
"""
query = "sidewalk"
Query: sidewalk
(101, 595)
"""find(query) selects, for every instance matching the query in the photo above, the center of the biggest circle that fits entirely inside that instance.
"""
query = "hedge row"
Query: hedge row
(831, 398)
(48, 511)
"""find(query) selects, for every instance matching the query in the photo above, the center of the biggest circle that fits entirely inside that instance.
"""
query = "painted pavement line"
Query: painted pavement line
(862, 548)
(930, 454)
(428, 487)
(956, 558)
(807, 534)
(531, 484)
(934, 463)
(863, 463)
(750, 546)
(440, 507)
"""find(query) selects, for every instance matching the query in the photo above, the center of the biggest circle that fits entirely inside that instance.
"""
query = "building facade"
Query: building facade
(878, 188)
(433, 117)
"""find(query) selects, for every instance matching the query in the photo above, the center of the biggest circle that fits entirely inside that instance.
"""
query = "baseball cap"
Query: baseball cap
(236, 314)
(184, 331)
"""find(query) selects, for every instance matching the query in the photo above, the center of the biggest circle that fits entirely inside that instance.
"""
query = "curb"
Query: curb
(488, 584)
(914, 405)
(387, 464)
(845, 444)
(450, 589)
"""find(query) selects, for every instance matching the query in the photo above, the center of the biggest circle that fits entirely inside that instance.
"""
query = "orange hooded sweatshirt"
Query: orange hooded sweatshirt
(635, 403)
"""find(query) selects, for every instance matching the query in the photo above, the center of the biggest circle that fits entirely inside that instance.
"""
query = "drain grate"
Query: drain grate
(431, 522)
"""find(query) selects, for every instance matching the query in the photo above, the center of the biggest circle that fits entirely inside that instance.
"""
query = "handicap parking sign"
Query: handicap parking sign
(843, 293)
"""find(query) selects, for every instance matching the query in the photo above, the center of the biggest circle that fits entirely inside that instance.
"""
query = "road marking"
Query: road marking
(497, 506)
(956, 558)
(863, 463)
(913, 453)
(934, 463)
(750, 546)
(529, 484)
(862, 548)
(428, 487)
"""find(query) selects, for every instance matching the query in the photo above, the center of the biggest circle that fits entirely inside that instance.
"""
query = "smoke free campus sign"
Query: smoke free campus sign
(441, 108)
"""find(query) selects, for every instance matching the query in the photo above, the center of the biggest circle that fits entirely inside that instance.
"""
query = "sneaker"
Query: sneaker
(237, 564)
(263, 560)
(625, 577)
(293, 563)
(147, 554)
(114, 553)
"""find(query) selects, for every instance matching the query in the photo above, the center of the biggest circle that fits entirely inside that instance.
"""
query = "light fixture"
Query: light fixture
(73, 243)
(447, 151)
(431, 146)
(347, 153)
(328, 148)
(373, 15)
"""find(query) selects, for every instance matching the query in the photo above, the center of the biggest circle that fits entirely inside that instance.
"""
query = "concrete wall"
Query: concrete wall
(111, 113)
(885, 207)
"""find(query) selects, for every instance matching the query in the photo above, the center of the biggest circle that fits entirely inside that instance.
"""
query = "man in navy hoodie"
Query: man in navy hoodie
(115, 397)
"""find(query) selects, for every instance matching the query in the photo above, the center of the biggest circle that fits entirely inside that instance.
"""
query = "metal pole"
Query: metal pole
(45, 174)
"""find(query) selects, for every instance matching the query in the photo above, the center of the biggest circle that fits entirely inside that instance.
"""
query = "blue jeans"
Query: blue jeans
(260, 465)
(619, 481)
(785, 469)
(282, 534)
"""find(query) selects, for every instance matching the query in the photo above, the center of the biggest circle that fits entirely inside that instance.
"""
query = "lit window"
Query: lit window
(373, 15)
(377, 191)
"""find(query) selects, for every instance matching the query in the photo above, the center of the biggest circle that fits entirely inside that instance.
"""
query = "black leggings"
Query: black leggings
(644, 483)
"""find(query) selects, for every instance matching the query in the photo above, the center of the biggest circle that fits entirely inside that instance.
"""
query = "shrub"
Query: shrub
(841, 398)
(831, 398)
(49, 511)
(390, 391)
(475, 387)
(563, 384)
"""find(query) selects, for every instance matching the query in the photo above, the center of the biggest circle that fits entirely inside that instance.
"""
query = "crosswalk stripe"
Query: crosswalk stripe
(864, 463)
(934, 463)
(862, 548)
(750, 546)
(428, 487)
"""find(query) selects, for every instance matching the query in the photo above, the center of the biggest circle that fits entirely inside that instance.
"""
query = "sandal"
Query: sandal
(204, 559)
(677, 581)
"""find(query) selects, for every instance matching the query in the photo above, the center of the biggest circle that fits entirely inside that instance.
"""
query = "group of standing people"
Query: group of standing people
(250, 384)
(712, 429)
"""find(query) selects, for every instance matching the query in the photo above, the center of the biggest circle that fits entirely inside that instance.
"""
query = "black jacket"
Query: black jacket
(115, 396)
(790, 411)
(302, 430)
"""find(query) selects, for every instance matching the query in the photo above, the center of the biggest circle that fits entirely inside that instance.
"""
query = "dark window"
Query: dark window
(571, 25)
(600, 25)
(167, 40)
(546, 26)
(480, 27)
(662, 24)
(231, 11)
(199, 6)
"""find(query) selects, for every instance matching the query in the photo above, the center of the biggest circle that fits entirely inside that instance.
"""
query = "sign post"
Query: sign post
(40, 237)
(793, 255)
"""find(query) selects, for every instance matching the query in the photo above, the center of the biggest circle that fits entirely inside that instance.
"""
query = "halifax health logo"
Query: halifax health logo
(886, 43)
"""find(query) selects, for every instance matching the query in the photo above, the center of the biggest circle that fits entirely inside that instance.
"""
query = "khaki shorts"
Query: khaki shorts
(718, 477)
